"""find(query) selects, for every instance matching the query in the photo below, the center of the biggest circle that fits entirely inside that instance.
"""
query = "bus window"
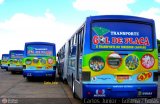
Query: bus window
(70, 48)
(79, 53)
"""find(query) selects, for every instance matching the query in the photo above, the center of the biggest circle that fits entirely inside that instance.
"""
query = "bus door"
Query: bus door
(78, 85)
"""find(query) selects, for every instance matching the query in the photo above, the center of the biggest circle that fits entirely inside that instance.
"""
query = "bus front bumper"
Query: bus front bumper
(120, 91)
(15, 68)
(39, 73)
(4, 67)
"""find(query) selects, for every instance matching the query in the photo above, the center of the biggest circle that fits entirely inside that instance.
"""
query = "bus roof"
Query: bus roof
(120, 17)
(16, 51)
(38, 43)
(28, 43)
(5, 54)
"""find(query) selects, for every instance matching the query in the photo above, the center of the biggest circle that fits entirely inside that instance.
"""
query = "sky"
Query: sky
(56, 20)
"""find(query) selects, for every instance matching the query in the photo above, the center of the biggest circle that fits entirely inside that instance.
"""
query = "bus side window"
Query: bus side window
(70, 48)
(75, 40)
(68, 53)
(63, 51)
(79, 53)
(82, 40)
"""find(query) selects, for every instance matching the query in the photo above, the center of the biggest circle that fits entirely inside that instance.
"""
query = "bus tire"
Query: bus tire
(7, 69)
(65, 81)
(73, 90)
(12, 72)
(54, 78)
(28, 79)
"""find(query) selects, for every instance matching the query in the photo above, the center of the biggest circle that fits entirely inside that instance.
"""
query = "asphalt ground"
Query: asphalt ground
(14, 89)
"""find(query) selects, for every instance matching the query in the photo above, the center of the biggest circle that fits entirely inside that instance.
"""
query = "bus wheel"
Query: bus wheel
(28, 78)
(65, 81)
(73, 90)
(54, 78)
(12, 72)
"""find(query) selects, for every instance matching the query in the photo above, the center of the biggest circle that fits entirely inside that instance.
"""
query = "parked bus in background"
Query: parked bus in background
(4, 61)
(111, 56)
(15, 61)
(39, 60)
(0, 63)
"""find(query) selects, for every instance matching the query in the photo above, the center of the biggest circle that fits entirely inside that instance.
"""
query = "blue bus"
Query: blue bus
(15, 61)
(111, 56)
(39, 60)
(4, 61)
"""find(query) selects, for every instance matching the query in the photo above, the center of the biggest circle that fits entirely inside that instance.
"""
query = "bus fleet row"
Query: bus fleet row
(37, 60)
(109, 56)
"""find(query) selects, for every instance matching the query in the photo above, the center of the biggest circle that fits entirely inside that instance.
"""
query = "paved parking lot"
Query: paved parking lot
(159, 87)
(16, 89)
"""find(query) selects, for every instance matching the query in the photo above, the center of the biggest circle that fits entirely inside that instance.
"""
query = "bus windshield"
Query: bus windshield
(16, 55)
(39, 50)
(5, 58)
(121, 36)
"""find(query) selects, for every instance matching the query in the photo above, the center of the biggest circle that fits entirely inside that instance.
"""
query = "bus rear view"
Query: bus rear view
(15, 62)
(4, 61)
(121, 58)
(39, 60)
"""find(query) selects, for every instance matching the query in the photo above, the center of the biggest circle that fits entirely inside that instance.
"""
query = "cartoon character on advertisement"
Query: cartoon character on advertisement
(147, 61)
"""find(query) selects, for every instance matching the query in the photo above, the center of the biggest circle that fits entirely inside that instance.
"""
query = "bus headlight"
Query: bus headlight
(28, 61)
(43, 61)
(35, 60)
(50, 61)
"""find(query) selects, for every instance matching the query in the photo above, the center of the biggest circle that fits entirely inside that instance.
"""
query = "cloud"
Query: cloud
(153, 13)
(21, 28)
(1, 1)
(104, 6)
(157, 1)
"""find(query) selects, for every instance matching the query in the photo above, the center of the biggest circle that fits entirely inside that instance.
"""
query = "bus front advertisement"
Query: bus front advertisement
(111, 56)
(123, 59)
(16, 61)
(39, 60)
(4, 61)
